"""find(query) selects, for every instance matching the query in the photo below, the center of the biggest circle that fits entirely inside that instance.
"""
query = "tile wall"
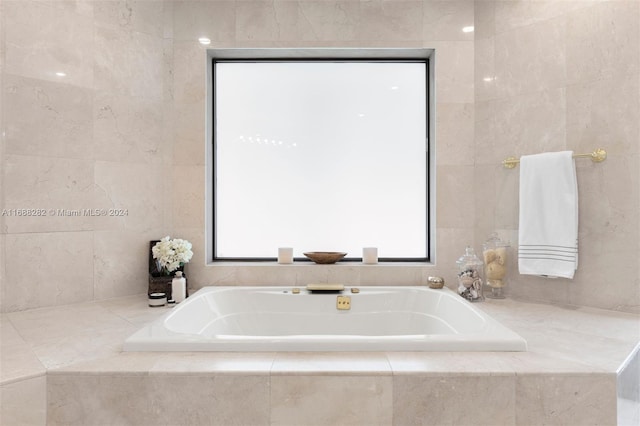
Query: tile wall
(564, 75)
(124, 129)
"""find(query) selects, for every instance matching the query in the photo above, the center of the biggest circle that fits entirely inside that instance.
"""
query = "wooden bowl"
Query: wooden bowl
(325, 257)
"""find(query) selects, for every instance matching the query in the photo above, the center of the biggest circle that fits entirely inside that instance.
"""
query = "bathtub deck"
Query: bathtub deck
(60, 365)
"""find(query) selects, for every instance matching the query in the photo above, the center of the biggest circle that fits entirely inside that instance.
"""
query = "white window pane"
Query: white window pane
(320, 156)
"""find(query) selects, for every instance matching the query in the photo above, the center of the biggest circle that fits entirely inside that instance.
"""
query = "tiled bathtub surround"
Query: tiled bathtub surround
(124, 128)
(568, 376)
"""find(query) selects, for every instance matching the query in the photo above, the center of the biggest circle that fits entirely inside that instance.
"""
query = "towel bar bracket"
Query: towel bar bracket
(510, 162)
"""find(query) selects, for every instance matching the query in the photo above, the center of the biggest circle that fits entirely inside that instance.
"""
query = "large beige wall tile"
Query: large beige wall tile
(195, 19)
(97, 399)
(3, 131)
(433, 400)
(485, 131)
(3, 272)
(580, 400)
(602, 41)
(605, 113)
(188, 196)
(455, 207)
(486, 180)
(219, 400)
(293, 20)
(484, 71)
(484, 14)
(157, 399)
(322, 21)
(392, 275)
(514, 15)
(444, 20)
(188, 114)
(137, 189)
(332, 20)
(46, 269)
(218, 275)
(637, 180)
(269, 275)
(128, 63)
(57, 188)
(167, 71)
(390, 20)
(330, 400)
(24, 403)
(454, 134)
(3, 44)
(506, 187)
(42, 40)
(454, 75)
(607, 202)
(82, 7)
(531, 59)
(61, 111)
(138, 15)
(607, 239)
(127, 129)
(265, 20)
(16, 357)
(189, 134)
(535, 288)
(604, 274)
(520, 125)
(532, 123)
(189, 73)
(298, 275)
(120, 264)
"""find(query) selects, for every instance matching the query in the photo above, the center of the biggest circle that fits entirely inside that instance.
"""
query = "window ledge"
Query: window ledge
(248, 264)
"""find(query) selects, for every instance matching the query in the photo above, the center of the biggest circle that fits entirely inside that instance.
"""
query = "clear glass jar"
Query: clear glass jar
(494, 253)
(470, 276)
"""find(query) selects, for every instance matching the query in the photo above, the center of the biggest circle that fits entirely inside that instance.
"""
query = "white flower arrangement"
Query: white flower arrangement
(170, 254)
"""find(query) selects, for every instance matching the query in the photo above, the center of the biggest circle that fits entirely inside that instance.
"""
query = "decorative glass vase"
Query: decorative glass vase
(494, 253)
(470, 276)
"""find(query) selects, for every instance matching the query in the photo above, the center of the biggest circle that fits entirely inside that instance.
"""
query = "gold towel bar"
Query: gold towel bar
(596, 156)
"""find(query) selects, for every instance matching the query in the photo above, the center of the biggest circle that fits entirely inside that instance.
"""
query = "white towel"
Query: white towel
(548, 229)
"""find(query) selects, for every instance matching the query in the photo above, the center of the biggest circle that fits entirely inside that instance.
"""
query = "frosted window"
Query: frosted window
(320, 156)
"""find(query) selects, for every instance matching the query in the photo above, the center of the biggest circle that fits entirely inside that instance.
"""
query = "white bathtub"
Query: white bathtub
(256, 319)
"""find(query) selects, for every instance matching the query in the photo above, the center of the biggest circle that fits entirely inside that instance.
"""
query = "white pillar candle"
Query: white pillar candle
(285, 255)
(370, 255)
